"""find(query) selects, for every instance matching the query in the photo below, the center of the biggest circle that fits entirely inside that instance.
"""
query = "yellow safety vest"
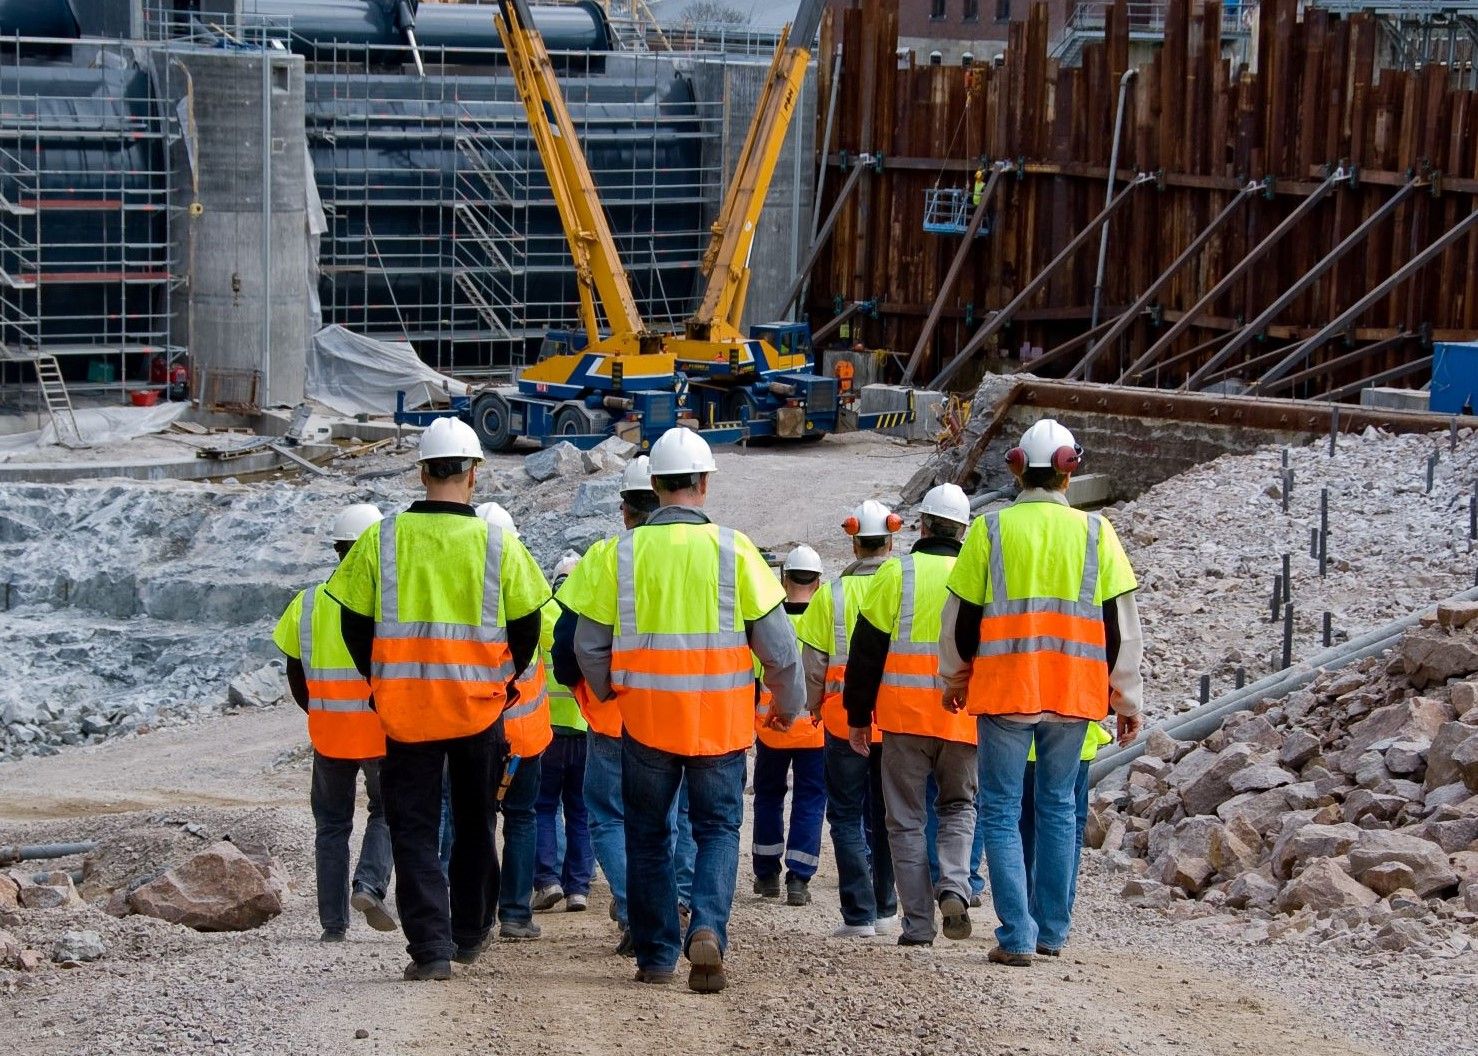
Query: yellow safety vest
(341, 723)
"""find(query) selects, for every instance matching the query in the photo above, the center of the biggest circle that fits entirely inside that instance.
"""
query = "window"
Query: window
(971, 11)
(1003, 10)
(936, 10)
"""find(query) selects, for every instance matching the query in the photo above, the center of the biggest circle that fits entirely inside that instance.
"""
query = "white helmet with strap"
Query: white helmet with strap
(1046, 445)
(679, 452)
(637, 476)
(449, 438)
(802, 559)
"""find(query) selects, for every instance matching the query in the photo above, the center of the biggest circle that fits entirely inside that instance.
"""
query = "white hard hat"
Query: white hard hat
(350, 524)
(566, 564)
(497, 517)
(449, 438)
(947, 501)
(637, 476)
(802, 559)
(679, 451)
(872, 518)
(1046, 445)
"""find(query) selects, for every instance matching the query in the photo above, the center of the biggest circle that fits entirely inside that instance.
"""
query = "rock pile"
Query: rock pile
(1347, 811)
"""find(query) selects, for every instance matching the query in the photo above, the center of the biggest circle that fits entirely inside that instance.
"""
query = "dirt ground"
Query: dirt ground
(1131, 982)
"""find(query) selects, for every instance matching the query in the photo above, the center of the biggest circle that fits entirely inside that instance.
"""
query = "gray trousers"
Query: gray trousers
(908, 760)
(333, 794)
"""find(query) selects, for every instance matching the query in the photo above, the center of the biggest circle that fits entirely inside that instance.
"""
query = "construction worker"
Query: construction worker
(793, 756)
(528, 731)
(671, 615)
(347, 740)
(854, 791)
(1040, 636)
(977, 191)
(440, 612)
(603, 802)
(562, 784)
(1095, 738)
(892, 680)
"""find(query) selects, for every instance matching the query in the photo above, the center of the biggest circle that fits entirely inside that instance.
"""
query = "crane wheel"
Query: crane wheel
(575, 419)
(492, 421)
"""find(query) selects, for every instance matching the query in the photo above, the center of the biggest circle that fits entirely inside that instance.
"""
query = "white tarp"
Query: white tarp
(99, 426)
(355, 374)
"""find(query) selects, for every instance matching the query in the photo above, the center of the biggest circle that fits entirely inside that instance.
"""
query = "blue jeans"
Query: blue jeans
(603, 805)
(931, 836)
(802, 849)
(335, 783)
(651, 781)
(1042, 914)
(859, 834)
(520, 837)
(562, 784)
(1029, 828)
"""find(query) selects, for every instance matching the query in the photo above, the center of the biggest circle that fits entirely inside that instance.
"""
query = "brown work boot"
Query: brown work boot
(1014, 960)
(422, 971)
(656, 976)
(706, 974)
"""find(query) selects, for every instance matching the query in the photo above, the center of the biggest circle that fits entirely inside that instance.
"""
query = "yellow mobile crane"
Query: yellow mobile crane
(617, 375)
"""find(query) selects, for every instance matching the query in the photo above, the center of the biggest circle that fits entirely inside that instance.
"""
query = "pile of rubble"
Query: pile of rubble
(1347, 811)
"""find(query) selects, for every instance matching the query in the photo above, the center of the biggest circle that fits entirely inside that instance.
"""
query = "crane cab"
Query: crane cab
(791, 342)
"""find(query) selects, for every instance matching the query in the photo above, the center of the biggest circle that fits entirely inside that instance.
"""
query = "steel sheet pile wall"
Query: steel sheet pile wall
(1315, 100)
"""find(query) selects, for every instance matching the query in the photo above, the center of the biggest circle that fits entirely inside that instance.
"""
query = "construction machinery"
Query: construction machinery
(613, 374)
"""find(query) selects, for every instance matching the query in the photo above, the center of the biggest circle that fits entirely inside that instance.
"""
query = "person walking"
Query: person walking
(893, 680)
(854, 789)
(439, 612)
(666, 627)
(1040, 636)
(562, 784)
(1095, 738)
(791, 757)
(347, 741)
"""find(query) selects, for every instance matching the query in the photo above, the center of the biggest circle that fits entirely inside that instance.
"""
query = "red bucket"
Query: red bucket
(144, 397)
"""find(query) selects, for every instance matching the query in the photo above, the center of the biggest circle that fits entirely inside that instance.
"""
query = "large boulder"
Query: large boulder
(218, 889)
(561, 460)
(1251, 890)
(75, 947)
(1405, 720)
(261, 688)
(1443, 765)
(1233, 849)
(1261, 810)
(597, 498)
(48, 891)
(1432, 655)
(1297, 846)
(1204, 778)
(1430, 869)
(1323, 886)
(1299, 747)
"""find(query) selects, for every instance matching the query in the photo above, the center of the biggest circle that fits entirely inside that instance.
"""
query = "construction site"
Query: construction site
(251, 250)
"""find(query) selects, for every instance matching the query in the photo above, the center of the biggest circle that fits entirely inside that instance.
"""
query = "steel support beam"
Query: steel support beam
(1001, 318)
(956, 266)
(1189, 353)
(1262, 249)
(1126, 320)
(1334, 364)
(819, 242)
(1241, 339)
(1062, 351)
(1383, 290)
(1401, 370)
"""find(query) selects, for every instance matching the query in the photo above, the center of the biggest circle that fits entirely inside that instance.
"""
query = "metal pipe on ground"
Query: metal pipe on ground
(24, 852)
(1201, 722)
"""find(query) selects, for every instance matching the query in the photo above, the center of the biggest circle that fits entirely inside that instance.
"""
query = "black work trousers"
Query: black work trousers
(435, 924)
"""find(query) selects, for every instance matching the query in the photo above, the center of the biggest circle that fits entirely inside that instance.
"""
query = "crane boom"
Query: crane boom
(600, 275)
(726, 261)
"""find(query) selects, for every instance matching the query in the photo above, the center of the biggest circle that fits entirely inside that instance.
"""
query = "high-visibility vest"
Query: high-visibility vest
(526, 724)
(564, 710)
(852, 590)
(909, 696)
(1094, 738)
(803, 733)
(688, 687)
(1041, 572)
(603, 716)
(437, 679)
(341, 723)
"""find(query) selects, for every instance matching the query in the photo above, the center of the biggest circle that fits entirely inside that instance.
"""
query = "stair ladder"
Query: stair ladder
(58, 402)
(480, 304)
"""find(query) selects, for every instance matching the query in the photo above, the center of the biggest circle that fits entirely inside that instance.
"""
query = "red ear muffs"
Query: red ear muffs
(1016, 460)
(1067, 459)
(894, 522)
(851, 526)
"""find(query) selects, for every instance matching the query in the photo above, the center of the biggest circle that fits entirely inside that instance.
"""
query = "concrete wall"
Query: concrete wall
(230, 280)
(785, 225)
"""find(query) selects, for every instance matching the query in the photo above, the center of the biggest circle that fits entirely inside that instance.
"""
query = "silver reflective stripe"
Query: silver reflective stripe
(332, 674)
(305, 628)
(1028, 606)
(839, 625)
(802, 857)
(390, 625)
(1043, 643)
(474, 673)
(626, 582)
(686, 683)
(899, 680)
(523, 709)
(914, 648)
(1090, 562)
(338, 705)
(773, 849)
(728, 580)
(681, 642)
(906, 603)
(998, 592)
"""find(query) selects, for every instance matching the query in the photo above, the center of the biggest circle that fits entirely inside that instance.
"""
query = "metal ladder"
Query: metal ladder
(480, 304)
(58, 402)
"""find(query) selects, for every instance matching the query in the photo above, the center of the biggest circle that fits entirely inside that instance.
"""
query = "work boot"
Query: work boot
(1014, 960)
(854, 931)
(376, 914)
(909, 940)
(767, 886)
(611, 911)
(956, 916)
(469, 954)
(1047, 951)
(420, 971)
(706, 974)
(655, 976)
(547, 897)
(977, 900)
(797, 891)
(627, 946)
(331, 935)
(519, 929)
(576, 903)
(684, 915)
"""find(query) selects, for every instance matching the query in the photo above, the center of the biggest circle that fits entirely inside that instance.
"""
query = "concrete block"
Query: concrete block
(1090, 489)
(1394, 399)
(927, 405)
(866, 367)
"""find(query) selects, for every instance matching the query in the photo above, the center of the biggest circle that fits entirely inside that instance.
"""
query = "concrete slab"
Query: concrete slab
(927, 405)
(182, 467)
(1395, 399)
(1090, 489)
